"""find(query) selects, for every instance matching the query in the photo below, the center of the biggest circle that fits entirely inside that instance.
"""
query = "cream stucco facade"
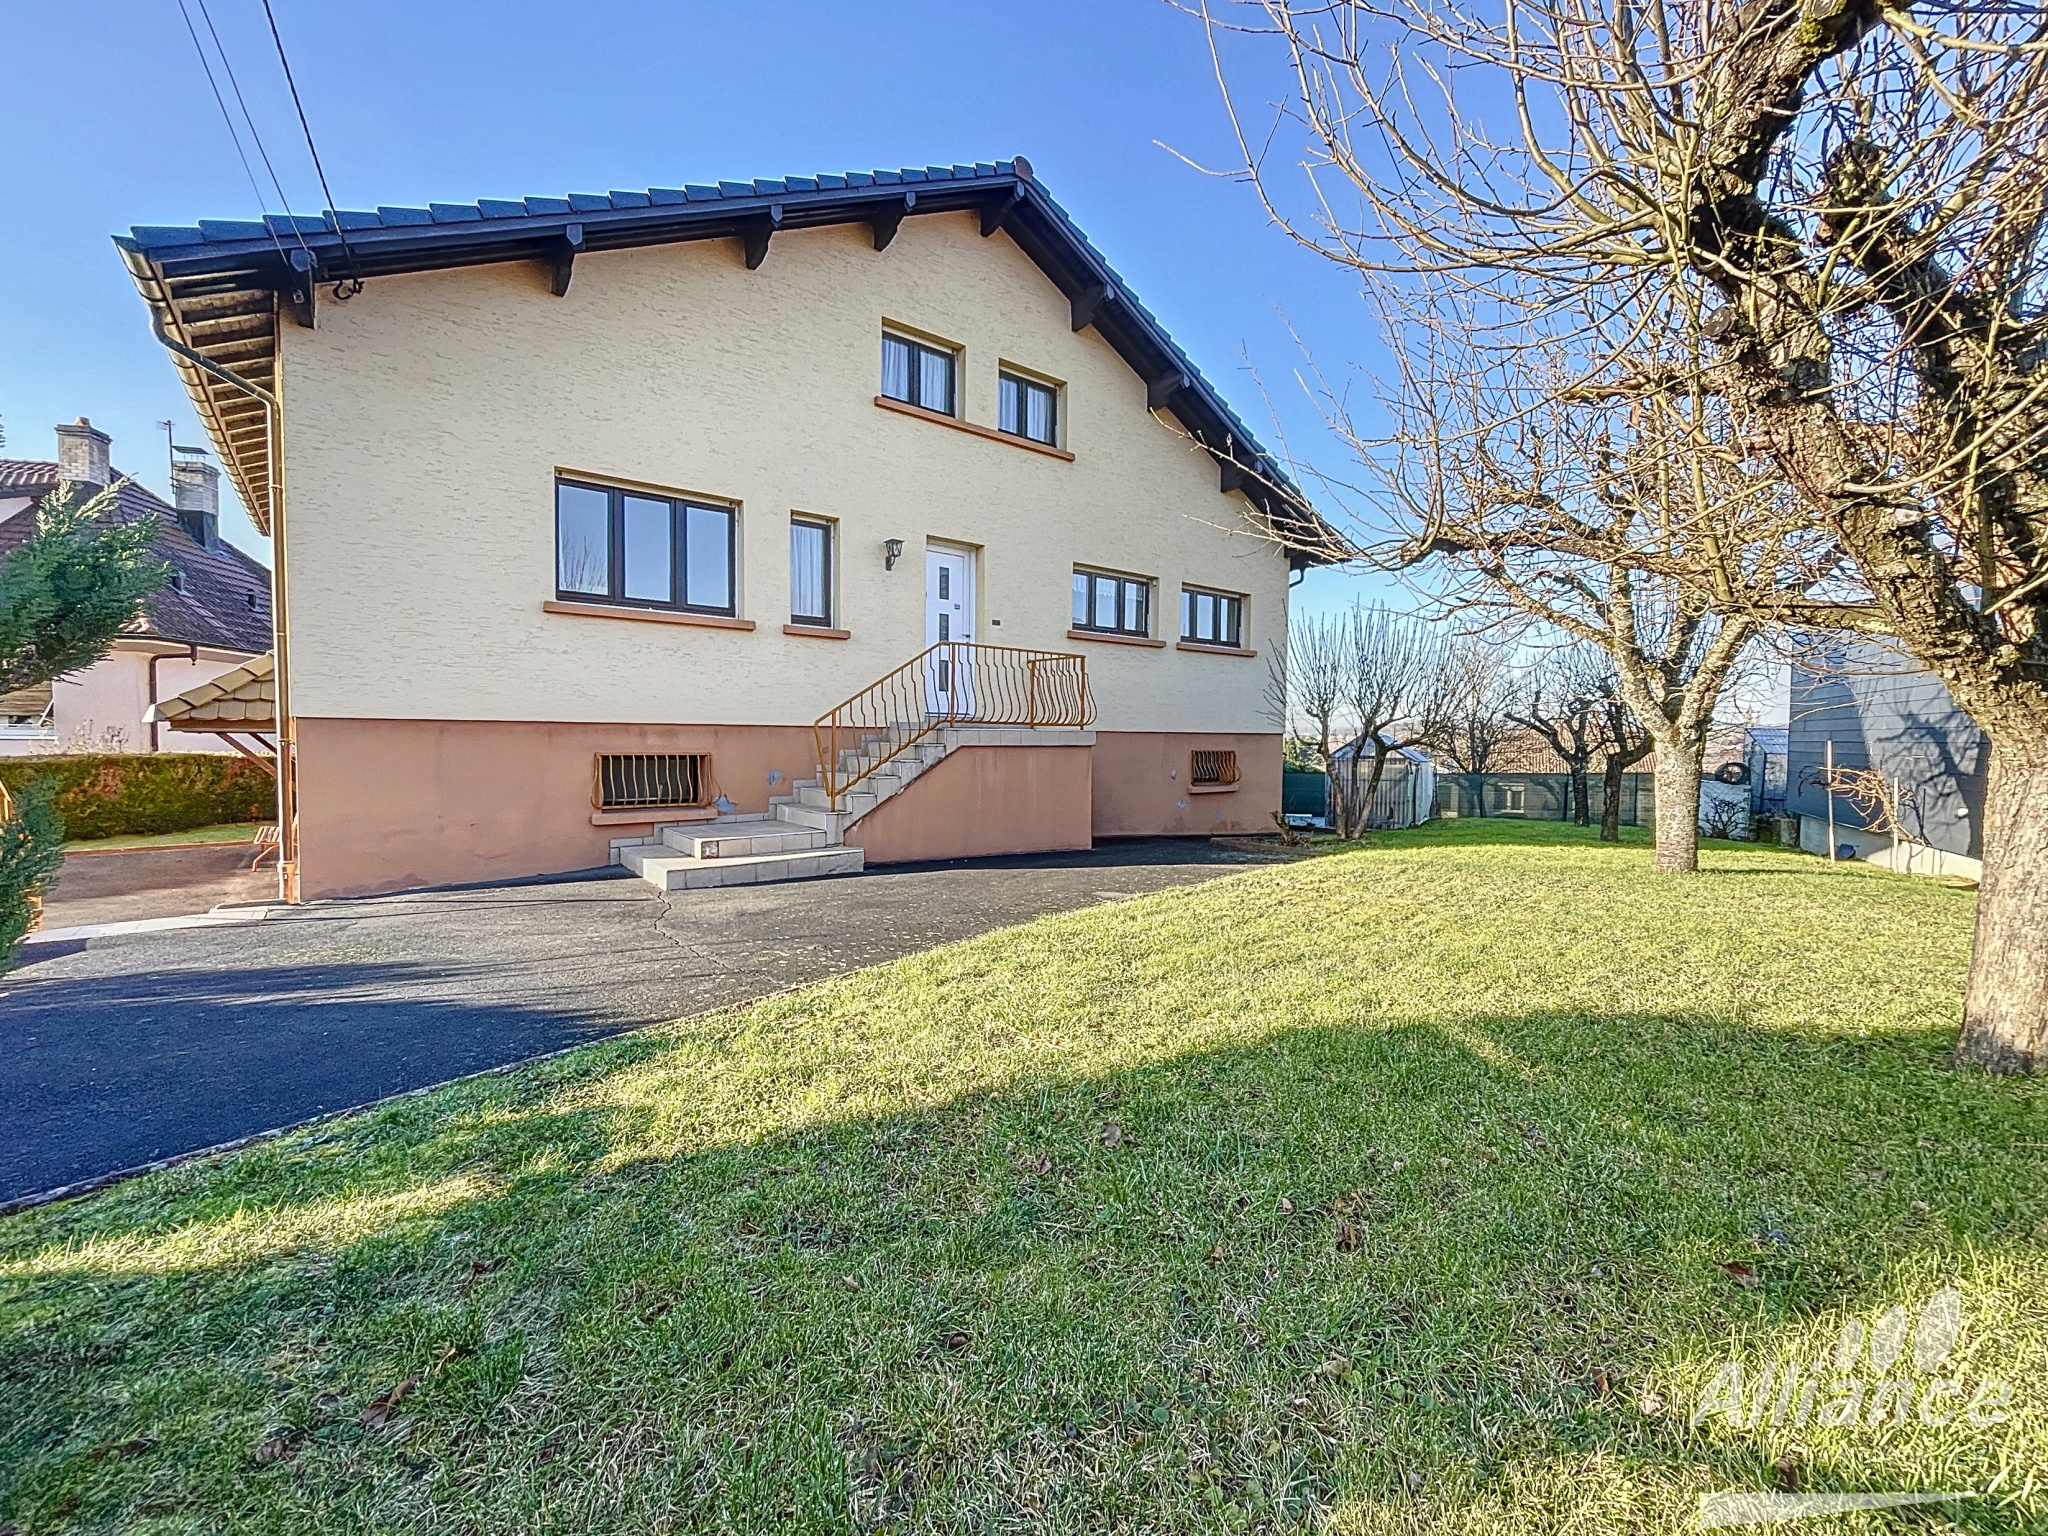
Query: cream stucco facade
(429, 418)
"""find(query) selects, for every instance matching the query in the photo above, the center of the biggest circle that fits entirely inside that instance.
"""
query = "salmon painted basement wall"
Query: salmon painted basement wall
(981, 801)
(388, 805)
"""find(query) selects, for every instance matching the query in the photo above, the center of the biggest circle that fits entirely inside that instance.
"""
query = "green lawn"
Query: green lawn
(1390, 1191)
(224, 832)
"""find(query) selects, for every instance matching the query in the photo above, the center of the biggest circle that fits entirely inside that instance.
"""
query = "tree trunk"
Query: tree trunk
(2005, 1011)
(1677, 782)
(1582, 809)
(1610, 804)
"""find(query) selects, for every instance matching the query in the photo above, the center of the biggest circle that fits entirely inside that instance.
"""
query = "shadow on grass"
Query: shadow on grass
(1480, 1268)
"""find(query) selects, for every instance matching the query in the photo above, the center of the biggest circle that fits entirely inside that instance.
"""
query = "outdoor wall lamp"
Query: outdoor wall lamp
(892, 551)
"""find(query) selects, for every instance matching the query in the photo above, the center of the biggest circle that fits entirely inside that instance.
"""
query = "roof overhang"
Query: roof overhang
(219, 291)
(244, 699)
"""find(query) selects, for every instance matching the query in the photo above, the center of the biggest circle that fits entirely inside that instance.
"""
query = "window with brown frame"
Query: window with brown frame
(635, 781)
(1212, 618)
(1212, 769)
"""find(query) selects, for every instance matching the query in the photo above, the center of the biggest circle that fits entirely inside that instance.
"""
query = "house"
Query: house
(1890, 729)
(212, 616)
(734, 532)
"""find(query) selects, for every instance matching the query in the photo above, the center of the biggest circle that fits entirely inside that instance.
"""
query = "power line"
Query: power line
(355, 277)
(255, 136)
(227, 116)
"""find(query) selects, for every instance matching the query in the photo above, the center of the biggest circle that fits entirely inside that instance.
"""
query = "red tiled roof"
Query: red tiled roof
(225, 603)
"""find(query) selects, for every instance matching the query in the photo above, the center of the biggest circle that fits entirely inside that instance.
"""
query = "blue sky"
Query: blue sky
(112, 123)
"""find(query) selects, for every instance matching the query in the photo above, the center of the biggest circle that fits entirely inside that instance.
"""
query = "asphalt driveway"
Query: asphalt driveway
(121, 1050)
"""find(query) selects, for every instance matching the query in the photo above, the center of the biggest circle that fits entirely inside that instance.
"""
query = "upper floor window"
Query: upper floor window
(918, 373)
(623, 546)
(810, 571)
(1211, 618)
(1113, 605)
(1029, 409)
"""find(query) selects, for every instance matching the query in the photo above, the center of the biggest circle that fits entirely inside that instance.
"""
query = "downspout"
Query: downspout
(156, 726)
(287, 735)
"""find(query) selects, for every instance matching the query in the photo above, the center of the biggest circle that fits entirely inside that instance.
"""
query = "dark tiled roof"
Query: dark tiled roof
(26, 477)
(277, 226)
(225, 603)
(212, 283)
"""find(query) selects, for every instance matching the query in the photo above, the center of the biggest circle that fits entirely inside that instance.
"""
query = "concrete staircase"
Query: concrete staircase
(803, 836)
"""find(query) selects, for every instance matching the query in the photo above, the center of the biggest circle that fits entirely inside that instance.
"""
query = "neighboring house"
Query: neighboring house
(1879, 710)
(212, 616)
(605, 517)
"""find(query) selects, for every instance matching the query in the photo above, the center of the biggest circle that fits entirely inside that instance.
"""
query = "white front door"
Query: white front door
(948, 617)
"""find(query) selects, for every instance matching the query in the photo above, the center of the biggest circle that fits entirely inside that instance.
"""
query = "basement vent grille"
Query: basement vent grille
(1212, 768)
(651, 781)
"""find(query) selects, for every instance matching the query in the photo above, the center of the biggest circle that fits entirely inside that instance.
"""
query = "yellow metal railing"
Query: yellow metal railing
(955, 682)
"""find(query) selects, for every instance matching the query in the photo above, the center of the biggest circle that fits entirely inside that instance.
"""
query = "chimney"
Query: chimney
(83, 455)
(195, 487)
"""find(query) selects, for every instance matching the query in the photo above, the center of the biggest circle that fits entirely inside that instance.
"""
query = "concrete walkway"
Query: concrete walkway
(117, 1051)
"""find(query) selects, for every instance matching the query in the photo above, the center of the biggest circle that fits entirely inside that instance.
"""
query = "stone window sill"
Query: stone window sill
(816, 632)
(646, 615)
(1213, 789)
(653, 815)
(967, 426)
(1104, 639)
(1212, 650)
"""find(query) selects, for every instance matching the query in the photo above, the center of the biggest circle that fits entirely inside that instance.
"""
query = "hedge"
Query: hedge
(119, 794)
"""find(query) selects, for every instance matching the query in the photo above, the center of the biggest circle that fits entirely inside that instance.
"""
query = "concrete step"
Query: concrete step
(832, 823)
(669, 871)
(859, 801)
(740, 839)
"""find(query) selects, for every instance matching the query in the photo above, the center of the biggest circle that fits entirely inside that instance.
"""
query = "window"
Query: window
(917, 374)
(810, 572)
(651, 551)
(1029, 409)
(647, 781)
(1213, 769)
(1114, 605)
(1211, 618)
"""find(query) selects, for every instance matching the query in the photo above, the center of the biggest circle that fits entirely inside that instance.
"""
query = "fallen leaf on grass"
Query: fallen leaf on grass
(1743, 1274)
(1600, 1383)
(1216, 1254)
(384, 1409)
(1347, 1237)
(1112, 1134)
(477, 1270)
(956, 1339)
(276, 1448)
(1336, 1368)
(1286, 1206)
(852, 1283)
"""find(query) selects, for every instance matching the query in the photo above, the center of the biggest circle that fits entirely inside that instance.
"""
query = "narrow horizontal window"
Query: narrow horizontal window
(810, 572)
(632, 781)
(1027, 408)
(648, 551)
(918, 374)
(1114, 605)
(1212, 618)
(1216, 768)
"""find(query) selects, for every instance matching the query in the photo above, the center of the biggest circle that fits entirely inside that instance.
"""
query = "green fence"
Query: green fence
(1538, 796)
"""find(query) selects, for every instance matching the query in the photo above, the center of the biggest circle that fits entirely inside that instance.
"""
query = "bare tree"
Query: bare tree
(1478, 693)
(1393, 699)
(1626, 743)
(1561, 701)
(1310, 689)
(1629, 531)
(1844, 208)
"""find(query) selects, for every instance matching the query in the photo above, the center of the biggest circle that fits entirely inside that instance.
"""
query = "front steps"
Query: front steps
(803, 836)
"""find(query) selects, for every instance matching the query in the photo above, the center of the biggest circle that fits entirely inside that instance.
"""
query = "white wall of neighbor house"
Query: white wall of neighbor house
(429, 417)
(100, 709)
